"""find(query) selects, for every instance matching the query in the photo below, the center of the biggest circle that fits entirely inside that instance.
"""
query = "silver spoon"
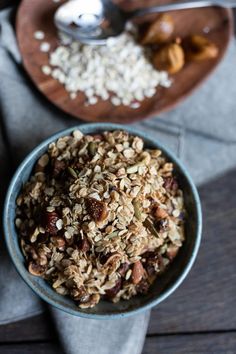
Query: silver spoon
(93, 21)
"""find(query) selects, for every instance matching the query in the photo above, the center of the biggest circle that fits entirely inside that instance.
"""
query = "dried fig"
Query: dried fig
(159, 31)
(169, 58)
(96, 209)
(199, 48)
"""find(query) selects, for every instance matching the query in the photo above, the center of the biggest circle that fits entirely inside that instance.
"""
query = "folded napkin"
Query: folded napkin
(200, 132)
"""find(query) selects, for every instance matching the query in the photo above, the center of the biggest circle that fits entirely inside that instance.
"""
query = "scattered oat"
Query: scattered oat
(45, 47)
(39, 35)
(46, 70)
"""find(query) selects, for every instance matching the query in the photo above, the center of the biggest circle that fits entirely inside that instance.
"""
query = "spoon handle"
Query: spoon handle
(182, 5)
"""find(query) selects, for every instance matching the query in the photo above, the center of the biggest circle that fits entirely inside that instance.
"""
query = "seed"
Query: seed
(128, 274)
(137, 209)
(92, 148)
(113, 234)
(72, 172)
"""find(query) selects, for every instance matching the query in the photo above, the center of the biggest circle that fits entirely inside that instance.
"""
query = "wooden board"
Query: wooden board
(36, 15)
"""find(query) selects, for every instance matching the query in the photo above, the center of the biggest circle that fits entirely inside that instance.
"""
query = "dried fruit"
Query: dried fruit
(96, 209)
(123, 269)
(170, 183)
(199, 48)
(58, 166)
(169, 58)
(51, 219)
(159, 31)
(84, 245)
(162, 225)
(153, 261)
(137, 273)
(111, 293)
(59, 242)
(143, 286)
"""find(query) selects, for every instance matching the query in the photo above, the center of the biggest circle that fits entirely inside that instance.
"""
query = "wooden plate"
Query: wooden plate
(36, 15)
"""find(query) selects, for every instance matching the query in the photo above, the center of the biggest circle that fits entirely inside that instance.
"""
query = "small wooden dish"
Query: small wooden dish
(34, 15)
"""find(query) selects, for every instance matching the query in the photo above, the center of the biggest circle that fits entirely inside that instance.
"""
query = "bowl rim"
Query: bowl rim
(91, 129)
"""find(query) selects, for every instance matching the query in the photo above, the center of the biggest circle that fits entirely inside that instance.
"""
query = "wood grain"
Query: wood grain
(223, 343)
(31, 348)
(34, 15)
(206, 300)
(212, 343)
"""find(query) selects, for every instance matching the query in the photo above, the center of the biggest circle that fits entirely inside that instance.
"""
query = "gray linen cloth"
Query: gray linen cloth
(201, 132)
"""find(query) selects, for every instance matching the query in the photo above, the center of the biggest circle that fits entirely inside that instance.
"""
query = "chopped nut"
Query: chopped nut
(160, 213)
(36, 269)
(137, 273)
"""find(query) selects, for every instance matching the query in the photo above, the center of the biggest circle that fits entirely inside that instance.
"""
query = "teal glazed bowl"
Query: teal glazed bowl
(164, 284)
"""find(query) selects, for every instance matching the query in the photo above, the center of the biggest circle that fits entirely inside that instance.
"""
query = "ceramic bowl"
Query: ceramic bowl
(165, 284)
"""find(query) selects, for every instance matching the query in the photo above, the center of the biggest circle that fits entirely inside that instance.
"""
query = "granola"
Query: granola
(101, 216)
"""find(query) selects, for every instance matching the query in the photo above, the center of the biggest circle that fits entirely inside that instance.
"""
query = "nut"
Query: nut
(160, 213)
(137, 273)
(36, 269)
(159, 31)
(169, 58)
(199, 48)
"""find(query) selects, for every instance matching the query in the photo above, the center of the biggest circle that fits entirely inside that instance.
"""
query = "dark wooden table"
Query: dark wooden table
(200, 317)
